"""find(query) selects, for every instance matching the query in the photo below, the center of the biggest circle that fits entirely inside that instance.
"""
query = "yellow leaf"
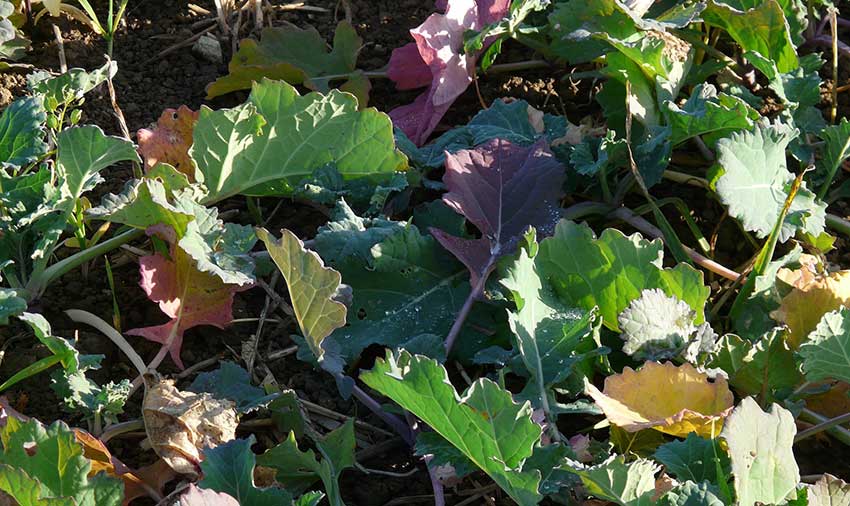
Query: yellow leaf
(812, 295)
(673, 400)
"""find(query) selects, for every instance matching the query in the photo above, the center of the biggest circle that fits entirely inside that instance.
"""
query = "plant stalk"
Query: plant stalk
(824, 424)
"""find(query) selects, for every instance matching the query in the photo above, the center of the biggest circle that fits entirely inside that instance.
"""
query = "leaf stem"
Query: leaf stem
(375, 407)
(80, 316)
(467, 305)
(824, 424)
(38, 284)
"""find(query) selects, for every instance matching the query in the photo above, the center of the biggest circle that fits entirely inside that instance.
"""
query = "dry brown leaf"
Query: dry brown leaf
(812, 295)
(181, 424)
(673, 400)
(535, 117)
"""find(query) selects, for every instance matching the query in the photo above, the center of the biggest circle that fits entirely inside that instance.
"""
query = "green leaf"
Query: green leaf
(232, 382)
(548, 334)
(694, 459)
(761, 28)
(83, 152)
(220, 248)
(327, 186)
(22, 132)
(82, 395)
(597, 154)
(277, 138)
(59, 346)
(626, 484)
(348, 235)
(297, 470)
(691, 494)
(51, 459)
(10, 305)
(69, 86)
(755, 183)
(826, 352)
(764, 365)
(611, 271)
(573, 23)
(829, 491)
(408, 286)
(707, 112)
(312, 288)
(292, 54)
(442, 453)
(229, 468)
(760, 449)
(484, 424)
(835, 151)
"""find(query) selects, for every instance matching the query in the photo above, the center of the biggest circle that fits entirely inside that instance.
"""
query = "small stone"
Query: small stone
(208, 48)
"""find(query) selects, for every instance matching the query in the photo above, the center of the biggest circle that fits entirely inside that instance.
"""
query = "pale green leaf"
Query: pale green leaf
(613, 270)
(691, 494)
(707, 112)
(829, 491)
(755, 183)
(835, 151)
(229, 468)
(83, 152)
(312, 288)
(760, 449)
(278, 137)
(485, 424)
(626, 484)
(232, 382)
(10, 305)
(71, 85)
(656, 326)
(826, 352)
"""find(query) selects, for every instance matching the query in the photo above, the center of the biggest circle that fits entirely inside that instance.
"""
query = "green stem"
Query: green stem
(830, 425)
(39, 283)
(838, 224)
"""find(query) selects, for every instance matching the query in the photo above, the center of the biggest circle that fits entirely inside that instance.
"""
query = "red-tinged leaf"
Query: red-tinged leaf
(502, 189)
(407, 69)
(169, 141)
(439, 44)
(195, 496)
(190, 297)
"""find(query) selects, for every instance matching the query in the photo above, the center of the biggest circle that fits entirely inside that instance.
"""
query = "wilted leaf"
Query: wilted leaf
(826, 351)
(180, 425)
(760, 448)
(22, 132)
(236, 150)
(694, 459)
(439, 41)
(186, 295)
(503, 190)
(485, 423)
(136, 483)
(755, 183)
(45, 465)
(626, 484)
(611, 271)
(756, 26)
(812, 295)
(195, 496)
(763, 365)
(229, 468)
(829, 491)
(233, 383)
(169, 141)
(293, 54)
(297, 469)
(312, 288)
(674, 400)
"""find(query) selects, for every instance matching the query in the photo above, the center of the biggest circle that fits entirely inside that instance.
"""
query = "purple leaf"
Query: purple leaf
(439, 44)
(502, 189)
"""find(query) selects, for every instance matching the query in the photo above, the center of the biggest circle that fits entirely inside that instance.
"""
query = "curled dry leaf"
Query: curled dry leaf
(138, 483)
(673, 400)
(813, 294)
(181, 424)
(169, 141)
